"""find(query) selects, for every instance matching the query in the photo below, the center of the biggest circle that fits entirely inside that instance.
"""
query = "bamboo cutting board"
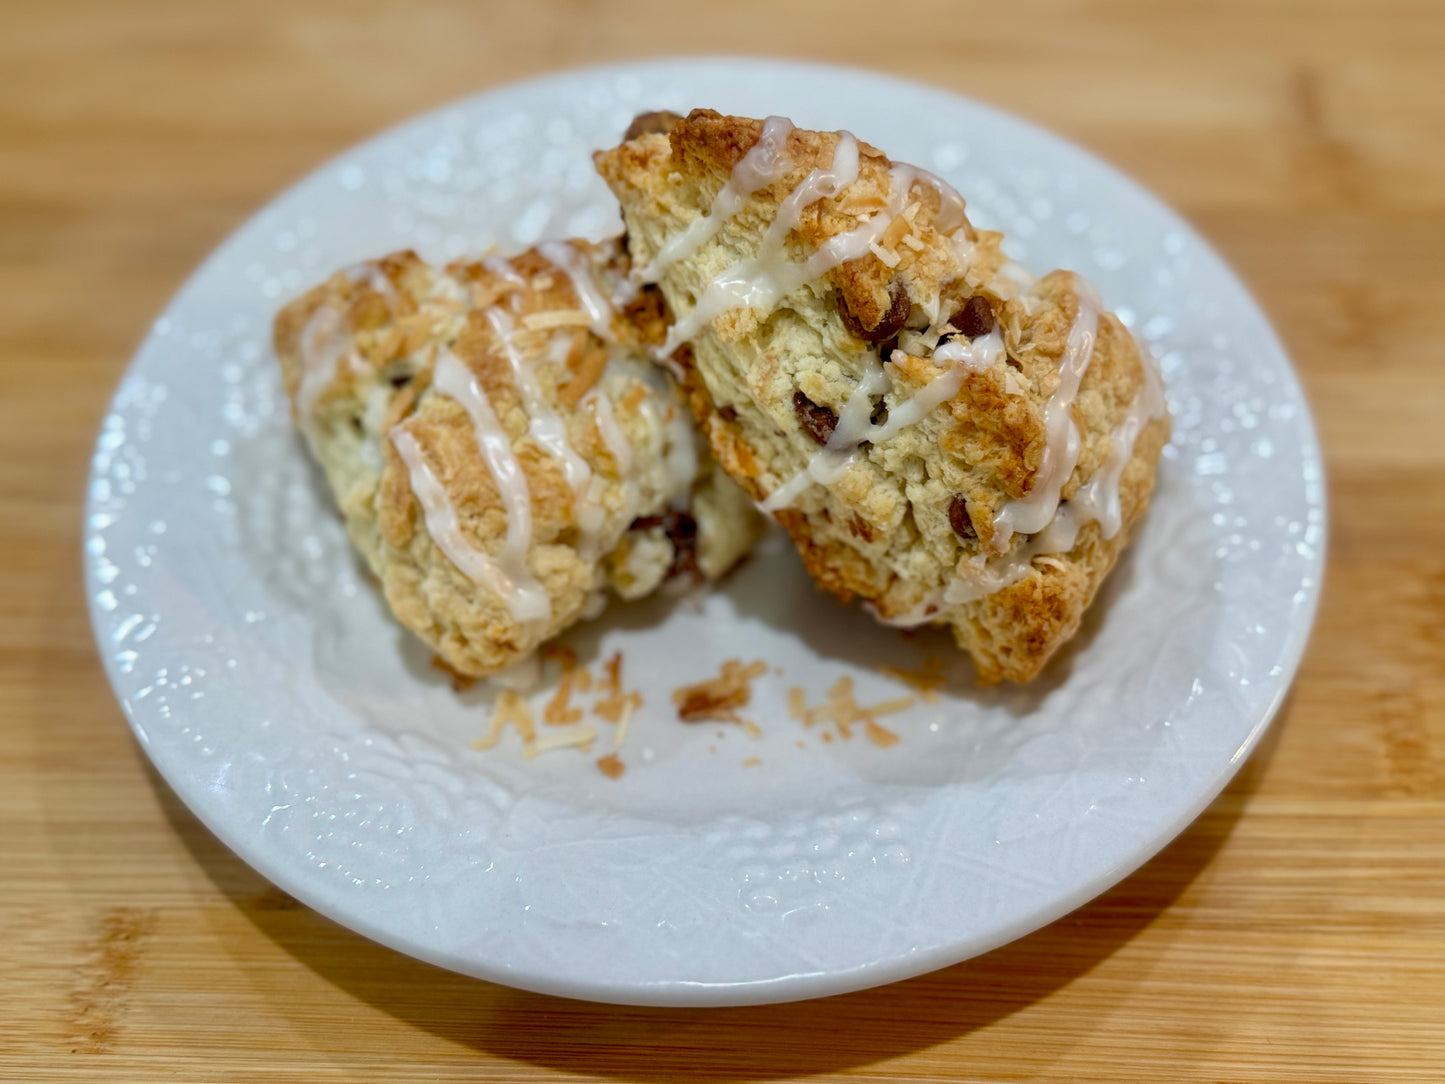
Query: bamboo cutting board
(1295, 932)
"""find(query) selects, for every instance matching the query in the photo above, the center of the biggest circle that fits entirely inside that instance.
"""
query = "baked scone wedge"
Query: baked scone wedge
(501, 450)
(943, 436)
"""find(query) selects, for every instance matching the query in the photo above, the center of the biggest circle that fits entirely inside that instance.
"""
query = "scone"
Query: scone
(501, 450)
(943, 436)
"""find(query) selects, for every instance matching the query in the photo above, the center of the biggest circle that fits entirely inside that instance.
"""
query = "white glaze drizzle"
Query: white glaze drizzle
(503, 269)
(964, 357)
(831, 461)
(976, 577)
(765, 162)
(617, 445)
(1032, 513)
(548, 429)
(370, 272)
(323, 345)
(1099, 498)
(951, 206)
(506, 575)
(761, 281)
(570, 262)
(446, 532)
(819, 184)
(543, 423)
(680, 462)
(1098, 501)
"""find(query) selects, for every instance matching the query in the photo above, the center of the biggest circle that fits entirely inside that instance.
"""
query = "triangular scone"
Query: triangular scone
(941, 435)
(499, 446)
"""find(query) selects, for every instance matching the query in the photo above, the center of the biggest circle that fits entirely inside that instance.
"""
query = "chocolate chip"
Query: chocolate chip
(889, 325)
(727, 413)
(817, 421)
(880, 413)
(975, 318)
(958, 519)
(659, 123)
(681, 530)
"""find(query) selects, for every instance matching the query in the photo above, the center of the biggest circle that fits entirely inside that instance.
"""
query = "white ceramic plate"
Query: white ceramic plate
(265, 680)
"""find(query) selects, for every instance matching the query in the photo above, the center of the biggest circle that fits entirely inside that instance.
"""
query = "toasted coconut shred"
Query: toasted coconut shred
(611, 703)
(721, 699)
(511, 708)
(926, 680)
(843, 712)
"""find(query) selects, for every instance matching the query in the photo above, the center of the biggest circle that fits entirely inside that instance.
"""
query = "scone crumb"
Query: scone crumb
(926, 680)
(510, 708)
(719, 697)
(460, 682)
(611, 766)
(563, 654)
(797, 702)
(752, 762)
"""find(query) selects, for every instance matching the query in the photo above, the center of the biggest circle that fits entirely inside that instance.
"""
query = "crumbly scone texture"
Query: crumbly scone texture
(910, 518)
(555, 350)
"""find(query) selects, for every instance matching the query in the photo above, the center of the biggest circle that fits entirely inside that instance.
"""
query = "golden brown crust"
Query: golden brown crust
(911, 523)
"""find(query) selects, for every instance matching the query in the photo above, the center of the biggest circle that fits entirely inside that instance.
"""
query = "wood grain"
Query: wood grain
(1296, 931)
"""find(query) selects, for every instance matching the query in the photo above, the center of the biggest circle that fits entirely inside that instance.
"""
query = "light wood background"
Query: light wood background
(1295, 932)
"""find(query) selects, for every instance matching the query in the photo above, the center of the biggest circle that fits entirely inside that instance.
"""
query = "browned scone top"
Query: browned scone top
(870, 368)
(498, 448)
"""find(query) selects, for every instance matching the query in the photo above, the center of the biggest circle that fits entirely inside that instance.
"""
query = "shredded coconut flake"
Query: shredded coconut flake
(879, 734)
(580, 736)
(887, 258)
(510, 708)
(559, 710)
(844, 713)
(719, 697)
(547, 321)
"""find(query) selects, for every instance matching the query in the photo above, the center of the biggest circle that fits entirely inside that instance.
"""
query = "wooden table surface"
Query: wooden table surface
(1295, 932)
